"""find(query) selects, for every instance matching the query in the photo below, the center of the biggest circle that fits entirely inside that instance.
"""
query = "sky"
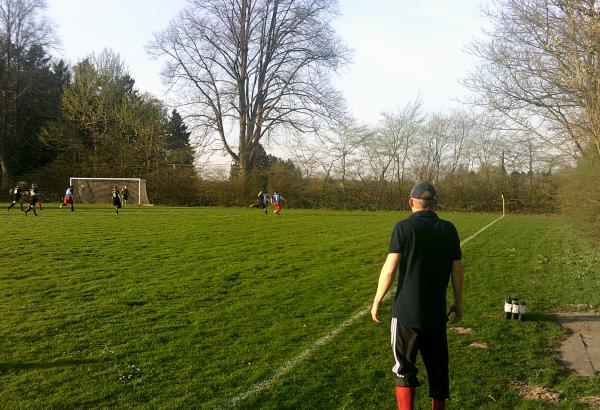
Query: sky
(402, 49)
(125, 26)
(406, 49)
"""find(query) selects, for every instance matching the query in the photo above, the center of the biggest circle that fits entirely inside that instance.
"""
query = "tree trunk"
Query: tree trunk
(4, 170)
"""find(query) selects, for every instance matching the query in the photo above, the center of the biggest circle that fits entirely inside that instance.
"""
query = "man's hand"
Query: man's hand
(375, 311)
(457, 310)
(458, 277)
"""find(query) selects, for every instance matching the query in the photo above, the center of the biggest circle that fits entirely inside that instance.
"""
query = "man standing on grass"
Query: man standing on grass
(40, 197)
(426, 252)
(124, 195)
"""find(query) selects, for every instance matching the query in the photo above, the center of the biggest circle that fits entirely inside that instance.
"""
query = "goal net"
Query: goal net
(99, 190)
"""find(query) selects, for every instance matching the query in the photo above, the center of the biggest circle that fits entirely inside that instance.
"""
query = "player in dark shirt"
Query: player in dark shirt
(17, 193)
(124, 195)
(116, 198)
(425, 250)
(262, 201)
(33, 198)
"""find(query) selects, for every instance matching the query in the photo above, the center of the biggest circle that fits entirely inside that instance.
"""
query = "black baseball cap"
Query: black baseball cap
(423, 190)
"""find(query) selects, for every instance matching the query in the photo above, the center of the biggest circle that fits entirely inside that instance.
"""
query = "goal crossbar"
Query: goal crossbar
(138, 180)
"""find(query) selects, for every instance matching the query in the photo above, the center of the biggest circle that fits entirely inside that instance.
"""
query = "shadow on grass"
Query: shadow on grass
(538, 317)
(18, 366)
(577, 317)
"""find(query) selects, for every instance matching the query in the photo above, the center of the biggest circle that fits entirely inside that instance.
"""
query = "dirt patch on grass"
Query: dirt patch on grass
(479, 345)
(462, 330)
(592, 401)
(578, 306)
(532, 392)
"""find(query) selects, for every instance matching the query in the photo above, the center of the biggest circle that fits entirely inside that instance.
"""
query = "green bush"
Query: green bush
(581, 197)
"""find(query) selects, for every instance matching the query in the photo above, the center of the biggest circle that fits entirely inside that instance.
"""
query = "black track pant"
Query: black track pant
(433, 346)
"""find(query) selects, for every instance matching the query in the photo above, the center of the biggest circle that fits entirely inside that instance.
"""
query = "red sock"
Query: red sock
(405, 397)
(437, 404)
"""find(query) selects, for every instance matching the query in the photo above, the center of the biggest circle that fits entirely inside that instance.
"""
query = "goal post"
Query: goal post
(98, 190)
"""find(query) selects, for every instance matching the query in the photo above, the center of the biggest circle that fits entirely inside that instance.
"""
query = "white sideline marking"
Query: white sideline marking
(479, 231)
(290, 364)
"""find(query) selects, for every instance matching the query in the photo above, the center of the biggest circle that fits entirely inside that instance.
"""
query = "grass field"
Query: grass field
(165, 307)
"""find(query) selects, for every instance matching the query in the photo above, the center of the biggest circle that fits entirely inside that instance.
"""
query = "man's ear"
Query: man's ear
(410, 202)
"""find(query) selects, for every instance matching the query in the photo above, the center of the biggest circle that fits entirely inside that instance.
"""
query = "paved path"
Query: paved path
(581, 350)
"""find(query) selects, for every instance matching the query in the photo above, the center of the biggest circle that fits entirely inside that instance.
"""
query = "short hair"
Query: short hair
(428, 203)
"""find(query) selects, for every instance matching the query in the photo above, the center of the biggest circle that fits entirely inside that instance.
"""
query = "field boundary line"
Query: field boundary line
(290, 364)
(293, 362)
(479, 231)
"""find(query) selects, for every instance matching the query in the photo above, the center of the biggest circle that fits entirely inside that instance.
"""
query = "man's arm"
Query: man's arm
(458, 277)
(386, 277)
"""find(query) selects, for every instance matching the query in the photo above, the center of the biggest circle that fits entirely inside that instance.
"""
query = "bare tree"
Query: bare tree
(433, 146)
(398, 133)
(488, 148)
(376, 165)
(463, 129)
(22, 26)
(341, 146)
(304, 151)
(540, 70)
(253, 66)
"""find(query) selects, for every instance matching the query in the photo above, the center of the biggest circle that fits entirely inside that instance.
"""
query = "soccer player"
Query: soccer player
(17, 193)
(116, 198)
(276, 199)
(426, 252)
(262, 201)
(39, 198)
(68, 199)
(33, 198)
(124, 194)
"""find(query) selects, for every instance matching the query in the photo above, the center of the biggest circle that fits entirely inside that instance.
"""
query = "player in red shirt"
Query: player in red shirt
(276, 200)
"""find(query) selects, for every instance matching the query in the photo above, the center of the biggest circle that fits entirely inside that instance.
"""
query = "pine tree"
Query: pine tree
(178, 141)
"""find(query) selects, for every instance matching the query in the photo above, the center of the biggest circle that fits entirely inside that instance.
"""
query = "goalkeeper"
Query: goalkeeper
(124, 195)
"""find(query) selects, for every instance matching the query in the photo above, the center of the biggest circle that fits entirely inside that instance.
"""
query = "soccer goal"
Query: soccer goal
(99, 190)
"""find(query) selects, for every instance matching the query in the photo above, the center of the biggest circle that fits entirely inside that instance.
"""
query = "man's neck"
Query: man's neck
(415, 209)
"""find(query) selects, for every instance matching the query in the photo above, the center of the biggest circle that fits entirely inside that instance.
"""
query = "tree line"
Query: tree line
(253, 74)
(89, 119)
(354, 166)
(539, 72)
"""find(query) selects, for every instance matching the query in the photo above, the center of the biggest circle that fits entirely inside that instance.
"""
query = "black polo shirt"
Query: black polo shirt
(427, 245)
